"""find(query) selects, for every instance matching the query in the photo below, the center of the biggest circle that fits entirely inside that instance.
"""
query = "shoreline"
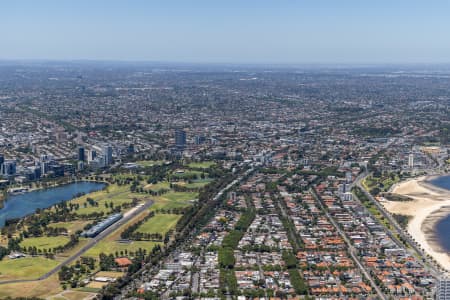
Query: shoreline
(430, 204)
(52, 185)
(105, 185)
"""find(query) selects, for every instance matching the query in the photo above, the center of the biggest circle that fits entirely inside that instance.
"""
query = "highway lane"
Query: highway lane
(91, 243)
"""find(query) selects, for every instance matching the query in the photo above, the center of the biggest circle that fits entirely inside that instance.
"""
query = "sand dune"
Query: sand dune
(429, 205)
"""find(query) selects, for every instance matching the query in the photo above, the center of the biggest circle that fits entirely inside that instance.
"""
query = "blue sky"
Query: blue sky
(228, 31)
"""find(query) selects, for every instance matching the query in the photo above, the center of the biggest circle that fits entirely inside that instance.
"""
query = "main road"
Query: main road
(91, 242)
(407, 238)
(141, 275)
(351, 249)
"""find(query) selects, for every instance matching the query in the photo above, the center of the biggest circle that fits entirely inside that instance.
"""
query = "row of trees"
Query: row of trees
(192, 220)
(132, 233)
(130, 230)
(226, 252)
(198, 214)
(33, 250)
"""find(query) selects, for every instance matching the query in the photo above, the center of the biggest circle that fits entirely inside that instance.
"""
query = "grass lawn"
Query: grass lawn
(69, 252)
(384, 183)
(125, 176)
(160, 223)
(163, 185)
(113, 246)
(96, 285)
(109, 274)
(76, 295)
(201, 165)
(71, 227)
(87, 290)
(25, 268)
(180, 196)
(199, 183)
(45, 242)
(150, 163)
(42, 289)
(186, 174)
(195, 184)
(173, 200)
(113, 193)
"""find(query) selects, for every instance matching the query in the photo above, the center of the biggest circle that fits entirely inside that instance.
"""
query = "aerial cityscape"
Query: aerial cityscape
(143, 178)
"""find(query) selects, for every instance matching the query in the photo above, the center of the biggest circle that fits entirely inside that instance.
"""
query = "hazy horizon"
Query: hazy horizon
(233, 32)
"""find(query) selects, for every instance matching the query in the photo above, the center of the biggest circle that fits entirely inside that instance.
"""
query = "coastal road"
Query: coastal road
(429, 264)
(91, 242)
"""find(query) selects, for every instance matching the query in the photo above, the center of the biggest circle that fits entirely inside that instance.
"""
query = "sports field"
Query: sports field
(186, 174)
(41, 289)
(201, 165)
(194, 184)
(163, 185)
(45, 242)
(160, 223)
(71, 227)
(173, 200)
(25, 268)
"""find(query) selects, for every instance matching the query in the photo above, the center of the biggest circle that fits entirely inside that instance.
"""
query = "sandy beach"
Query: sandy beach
(428, 206)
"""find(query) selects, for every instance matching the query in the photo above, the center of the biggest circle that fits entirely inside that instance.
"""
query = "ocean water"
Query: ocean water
(443, 232)
(443, 226)
(17, 206)
(441, 182)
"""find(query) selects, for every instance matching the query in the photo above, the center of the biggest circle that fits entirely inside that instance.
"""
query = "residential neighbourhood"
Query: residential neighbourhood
(292, 185)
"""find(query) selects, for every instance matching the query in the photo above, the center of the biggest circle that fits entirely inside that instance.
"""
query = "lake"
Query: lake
(17, 206)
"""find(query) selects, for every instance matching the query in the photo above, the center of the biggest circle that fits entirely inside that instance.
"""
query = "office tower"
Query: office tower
(44, 167)
(411, 160)
(92, 154)
(9, 168)
(180, 139)
(107, 153)
(45, 164)
(199, 140)
(37, 172)
(81, 154)
(100, 161)
(2, 161)
(57, 170)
